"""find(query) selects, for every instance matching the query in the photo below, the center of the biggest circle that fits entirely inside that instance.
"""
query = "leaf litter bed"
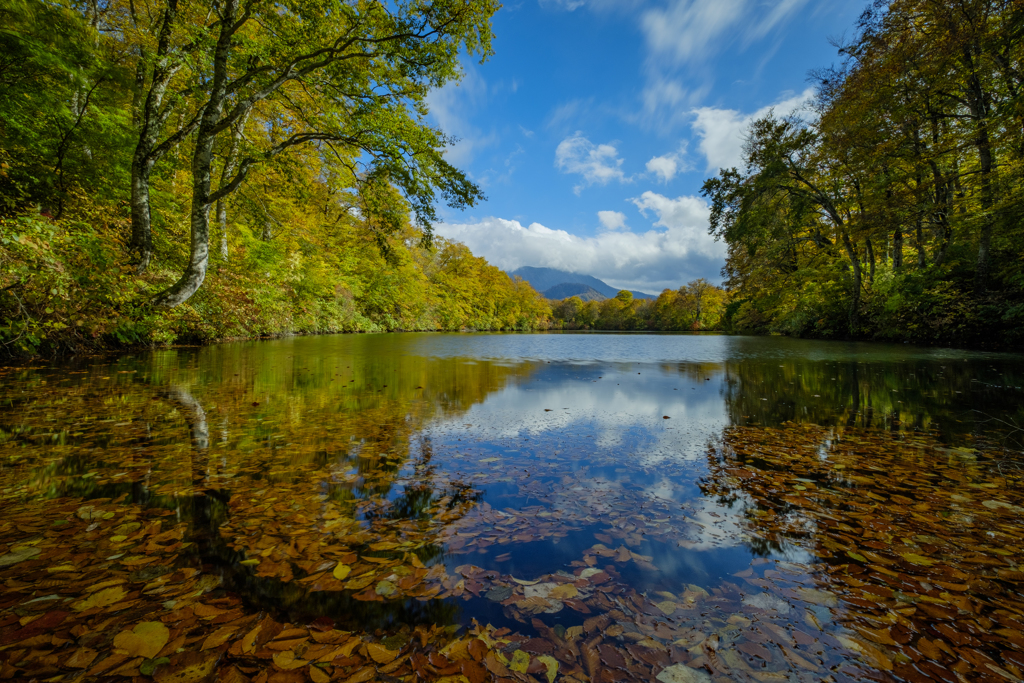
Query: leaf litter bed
(871, 556)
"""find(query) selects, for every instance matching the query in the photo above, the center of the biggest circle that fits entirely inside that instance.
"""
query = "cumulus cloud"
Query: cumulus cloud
(598, 164)
(667, 166)
(649, 261)
(612, 220)
(722, 132)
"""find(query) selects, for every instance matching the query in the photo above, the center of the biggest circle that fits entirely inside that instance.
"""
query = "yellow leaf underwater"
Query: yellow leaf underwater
(107, 596)
(145, 640)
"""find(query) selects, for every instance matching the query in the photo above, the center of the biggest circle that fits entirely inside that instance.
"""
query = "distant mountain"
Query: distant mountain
(544, 279)
(568, 289)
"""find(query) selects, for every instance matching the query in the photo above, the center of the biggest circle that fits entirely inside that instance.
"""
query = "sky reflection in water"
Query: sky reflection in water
(525, 455)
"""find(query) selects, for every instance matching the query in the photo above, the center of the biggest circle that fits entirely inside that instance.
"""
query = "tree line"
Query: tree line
(698, 305)
(891, 209)
(196, 169)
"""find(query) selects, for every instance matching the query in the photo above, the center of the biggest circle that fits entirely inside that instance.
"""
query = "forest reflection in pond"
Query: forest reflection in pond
(579, 507)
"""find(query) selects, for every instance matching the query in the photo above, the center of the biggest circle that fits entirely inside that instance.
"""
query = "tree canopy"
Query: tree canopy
(892, 209)
(188, 169)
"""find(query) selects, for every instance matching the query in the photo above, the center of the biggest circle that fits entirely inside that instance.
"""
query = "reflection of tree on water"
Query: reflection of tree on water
(352, 438)
(897, 396)
(904, 539)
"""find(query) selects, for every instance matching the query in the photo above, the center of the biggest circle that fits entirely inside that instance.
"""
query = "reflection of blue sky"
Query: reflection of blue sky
(618, 407)
(669, 348)
(604, 424)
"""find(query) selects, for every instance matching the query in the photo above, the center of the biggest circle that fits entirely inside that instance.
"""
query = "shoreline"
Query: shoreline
(120, 349)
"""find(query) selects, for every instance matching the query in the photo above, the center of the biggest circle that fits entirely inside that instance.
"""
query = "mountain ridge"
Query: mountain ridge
(568, 289)
(545, 279)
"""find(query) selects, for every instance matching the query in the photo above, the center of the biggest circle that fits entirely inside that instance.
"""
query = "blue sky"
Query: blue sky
(594, 124)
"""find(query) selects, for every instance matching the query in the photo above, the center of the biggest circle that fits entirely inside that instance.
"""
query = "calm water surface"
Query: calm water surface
(719, 505)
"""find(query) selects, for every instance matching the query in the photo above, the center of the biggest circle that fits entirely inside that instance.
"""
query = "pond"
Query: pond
(542, 507)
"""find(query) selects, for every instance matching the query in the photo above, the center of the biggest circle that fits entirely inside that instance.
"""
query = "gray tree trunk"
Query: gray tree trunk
(230, 164)
(151, 120)
(977, 103)
(202, 170)
(851, 253)
(922, 255)
(870, 254)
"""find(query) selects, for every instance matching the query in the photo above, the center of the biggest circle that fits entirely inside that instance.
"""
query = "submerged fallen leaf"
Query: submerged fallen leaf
(552, 666)
(341, 571)
(288, 661)
(18, 555)
(917, 559)
(520, 661)
(145, 640)
(680, 673)
(102, 598)
(667, 606)
(524, 582)
(818, 597)
(564, 591)
(190, 667)
(381, 654)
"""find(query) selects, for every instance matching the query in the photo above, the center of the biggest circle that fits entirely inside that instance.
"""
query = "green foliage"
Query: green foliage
(895, 212)
(696, 306)
(335, 158)
(67, 287)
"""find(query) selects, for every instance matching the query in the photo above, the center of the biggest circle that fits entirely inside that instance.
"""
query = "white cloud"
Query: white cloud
(649, 261)
(668, 165)
(568, 112)
(684, 34)
(689, 28)
(567, 5)
(593, 5)
(666, 103)
(779, 13)
(692, 30)
(612, 220)
(598, 164)
(450, 105)
(723, 131)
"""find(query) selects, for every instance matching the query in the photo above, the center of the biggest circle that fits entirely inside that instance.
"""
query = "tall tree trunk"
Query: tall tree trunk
(139, 88)
(151, 120)
(945, 231)
(983, 265)
(922, 257)
(141, 245)
(870, 252)
(897, 249)
(202, 169)
(851, 253)
(230, 164)
(977, 103)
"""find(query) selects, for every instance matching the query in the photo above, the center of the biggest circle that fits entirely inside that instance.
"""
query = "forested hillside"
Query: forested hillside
(185, 170)
(893, 211)
(696, 306)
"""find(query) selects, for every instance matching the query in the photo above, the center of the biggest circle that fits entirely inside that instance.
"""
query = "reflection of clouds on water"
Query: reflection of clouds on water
(594, 438)
(614, 406)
